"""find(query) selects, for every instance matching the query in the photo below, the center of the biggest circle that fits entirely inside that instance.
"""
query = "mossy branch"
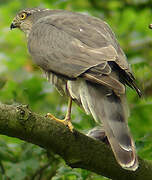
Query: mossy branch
(77, 149)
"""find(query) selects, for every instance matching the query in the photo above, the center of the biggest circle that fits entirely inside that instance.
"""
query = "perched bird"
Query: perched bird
(83, 59)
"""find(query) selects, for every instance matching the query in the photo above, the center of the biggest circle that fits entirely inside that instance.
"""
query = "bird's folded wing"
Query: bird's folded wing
(89, 30)
(56, 50)
(71, 46)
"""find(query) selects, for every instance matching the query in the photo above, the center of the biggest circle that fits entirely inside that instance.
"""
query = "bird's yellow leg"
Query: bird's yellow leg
(67, 120)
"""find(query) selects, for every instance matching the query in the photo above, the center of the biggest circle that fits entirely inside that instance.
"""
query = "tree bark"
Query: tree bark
(77, 149)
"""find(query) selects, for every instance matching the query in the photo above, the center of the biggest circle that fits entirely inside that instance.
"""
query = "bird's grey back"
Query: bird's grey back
(108, 37)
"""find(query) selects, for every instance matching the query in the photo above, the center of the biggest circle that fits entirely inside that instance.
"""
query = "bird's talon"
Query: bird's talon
(69, 124)
(65, 121)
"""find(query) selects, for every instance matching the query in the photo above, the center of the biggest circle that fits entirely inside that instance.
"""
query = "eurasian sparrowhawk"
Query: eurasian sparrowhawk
(83, 59)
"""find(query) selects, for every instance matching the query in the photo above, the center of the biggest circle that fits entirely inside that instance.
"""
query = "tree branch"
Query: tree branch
(77, 149)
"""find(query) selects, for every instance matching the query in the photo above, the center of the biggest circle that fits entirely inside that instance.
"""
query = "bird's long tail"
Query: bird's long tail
(111, 110)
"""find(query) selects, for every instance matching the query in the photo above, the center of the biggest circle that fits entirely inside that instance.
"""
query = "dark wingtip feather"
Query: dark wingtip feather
(137, 89)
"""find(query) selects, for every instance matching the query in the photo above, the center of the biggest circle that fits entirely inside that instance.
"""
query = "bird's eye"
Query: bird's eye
(23, 16)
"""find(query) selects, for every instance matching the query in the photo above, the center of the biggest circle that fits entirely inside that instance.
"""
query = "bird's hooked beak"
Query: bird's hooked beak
(14, 25)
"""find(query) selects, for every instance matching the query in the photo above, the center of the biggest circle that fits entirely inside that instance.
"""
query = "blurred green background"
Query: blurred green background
(23, 82)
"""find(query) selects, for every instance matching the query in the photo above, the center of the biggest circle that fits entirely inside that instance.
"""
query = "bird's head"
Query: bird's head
(25, 18)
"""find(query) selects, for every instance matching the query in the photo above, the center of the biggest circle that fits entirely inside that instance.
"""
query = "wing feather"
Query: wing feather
(59, 52)
(72, 45)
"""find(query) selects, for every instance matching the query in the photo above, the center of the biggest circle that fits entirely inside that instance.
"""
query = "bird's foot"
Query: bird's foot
(66, 121)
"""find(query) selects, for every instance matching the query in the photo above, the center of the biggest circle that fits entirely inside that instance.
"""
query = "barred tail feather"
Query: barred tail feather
(112, 111)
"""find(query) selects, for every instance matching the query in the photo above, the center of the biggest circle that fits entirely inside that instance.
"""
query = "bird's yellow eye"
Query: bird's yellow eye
(23, 16)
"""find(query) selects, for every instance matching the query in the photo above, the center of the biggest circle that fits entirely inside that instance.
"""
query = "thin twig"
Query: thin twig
(2, 168)
(54, 168)
(40, 170)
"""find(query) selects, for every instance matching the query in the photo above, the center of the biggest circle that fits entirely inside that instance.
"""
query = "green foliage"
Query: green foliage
(22, 82)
